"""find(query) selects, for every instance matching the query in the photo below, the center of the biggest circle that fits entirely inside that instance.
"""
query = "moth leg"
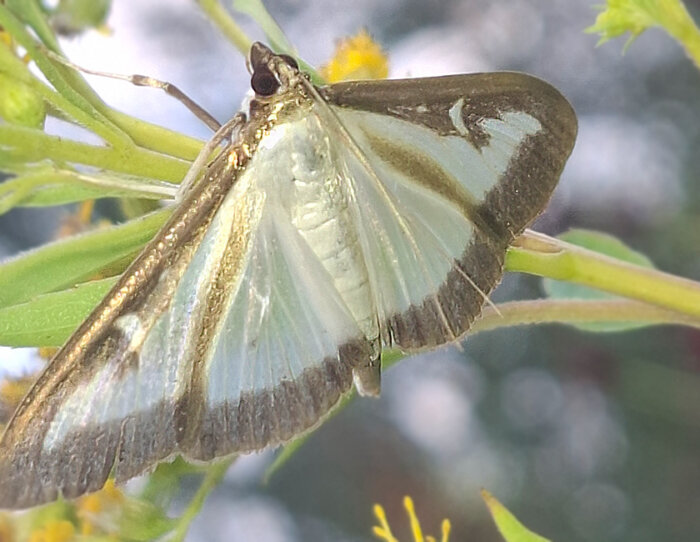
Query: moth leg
(146, 81)
(367, 377)
(227, 131)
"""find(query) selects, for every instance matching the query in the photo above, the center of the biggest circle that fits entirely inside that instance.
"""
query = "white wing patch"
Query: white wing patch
(338, 245)
(413, 233)
(477, 170)
(457, 117)
(298, 295)
(287, 316)
(506, 135)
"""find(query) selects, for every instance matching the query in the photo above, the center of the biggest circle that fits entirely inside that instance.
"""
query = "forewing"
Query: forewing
(446, 172)
(235, 341)
(281, 350)
(99, 403)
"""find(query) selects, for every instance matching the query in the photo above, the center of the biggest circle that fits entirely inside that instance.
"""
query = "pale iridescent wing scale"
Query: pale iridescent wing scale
(96, 405)
(447, 171)
(245, 338)
(284, 351)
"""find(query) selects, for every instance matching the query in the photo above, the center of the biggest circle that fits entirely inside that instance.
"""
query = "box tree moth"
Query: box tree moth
(337, 221)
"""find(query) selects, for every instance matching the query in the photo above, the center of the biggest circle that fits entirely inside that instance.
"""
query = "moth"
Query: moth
(335, 222)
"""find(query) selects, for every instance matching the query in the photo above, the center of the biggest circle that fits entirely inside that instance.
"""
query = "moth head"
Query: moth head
(271, 73)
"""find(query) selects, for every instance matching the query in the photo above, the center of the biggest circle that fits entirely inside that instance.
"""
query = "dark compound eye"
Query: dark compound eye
(290, 60)
(264, 83)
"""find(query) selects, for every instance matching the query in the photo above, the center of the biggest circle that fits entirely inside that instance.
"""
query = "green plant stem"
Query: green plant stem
(63, 82)
(54, 186)
(674, 17)
(68, 261)
(213, 476)
(76, 97)
(34, 145)
(539, 254)
(576, 311)
(226, 25)
(156, 138)
(30, 12)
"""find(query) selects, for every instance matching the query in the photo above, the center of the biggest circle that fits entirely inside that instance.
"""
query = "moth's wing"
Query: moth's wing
(238, 341)
(283, 351)
(446, 171)
(98, 402)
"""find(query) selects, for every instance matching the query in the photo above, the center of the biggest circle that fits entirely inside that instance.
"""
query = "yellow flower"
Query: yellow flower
(47, 352)
(99, 511)
(5, 38)
(60, 530)
(6, 529)
(358, 57)
(383, 531)
(11, 393)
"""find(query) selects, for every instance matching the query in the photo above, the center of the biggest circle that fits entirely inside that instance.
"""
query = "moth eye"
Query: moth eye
(291, 61)
(264, 83)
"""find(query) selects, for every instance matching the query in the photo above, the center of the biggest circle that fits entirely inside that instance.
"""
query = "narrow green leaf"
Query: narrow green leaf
(539, 254)
(164, 482)
(214, 472)
(220, 17)
(49, 319)
(603, 244)
(285, 455)
(141, 521)
(34, 145)
(47, 185)
(508, 525)
(64, 263)
(69, 84)
(273, 33)
(31, 13)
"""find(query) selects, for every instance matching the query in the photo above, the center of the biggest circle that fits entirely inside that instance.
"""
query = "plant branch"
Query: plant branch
(226, 25)
(539, 254)
(35, 145)
(576, 311)
(212, 477)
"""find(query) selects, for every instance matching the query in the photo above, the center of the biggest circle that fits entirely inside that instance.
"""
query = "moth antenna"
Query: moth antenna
(146, 81)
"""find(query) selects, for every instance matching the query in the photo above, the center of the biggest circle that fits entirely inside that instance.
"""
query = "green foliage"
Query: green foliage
(19, 105)
(141, 521)
(635, 16)
(74, 16)
(508, 525)
(608, 245)
(46, 185)
(49, 319)
(66, 262)
(42, 299)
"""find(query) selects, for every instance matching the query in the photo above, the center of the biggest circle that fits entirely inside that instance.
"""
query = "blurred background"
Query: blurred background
(585, 437)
